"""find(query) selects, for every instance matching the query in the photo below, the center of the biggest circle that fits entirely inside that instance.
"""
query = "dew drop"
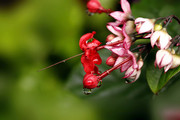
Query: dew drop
(87, 91)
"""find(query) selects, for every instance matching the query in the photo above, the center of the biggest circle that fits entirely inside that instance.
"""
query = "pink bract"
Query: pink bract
(122, 16)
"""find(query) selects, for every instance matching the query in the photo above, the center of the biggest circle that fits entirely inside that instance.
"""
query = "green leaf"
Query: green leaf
(167, 76)
(156, 78)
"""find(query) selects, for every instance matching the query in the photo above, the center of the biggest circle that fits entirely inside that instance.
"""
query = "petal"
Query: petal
(146, 27)
(164, 40)
(159, 56)
(96, 58)
(115, 30)
(166, 68)
(119, 51)
(120, 16)
(126, 65)
(167, 59)
(134, 77)
(140, 19)
(135, 65)
(93, 44)
(163, 58)
(137, 75)
(116, 23)
(108, 47)
(114, 40)
(118, 61)
(127, 40)
(125, 6)
(129, 72)
(140, 64)
(154, 38)
(87, 64)
(148, 35)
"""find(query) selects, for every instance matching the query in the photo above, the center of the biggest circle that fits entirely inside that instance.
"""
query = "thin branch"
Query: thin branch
(61, 61)
(107, 72)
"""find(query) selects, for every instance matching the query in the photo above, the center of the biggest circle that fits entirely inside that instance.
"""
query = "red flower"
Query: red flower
(88, 42)
(89, 62)
(90, 57)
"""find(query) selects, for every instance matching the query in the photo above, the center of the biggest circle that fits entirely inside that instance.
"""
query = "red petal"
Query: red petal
(84, 38)
(87, 64)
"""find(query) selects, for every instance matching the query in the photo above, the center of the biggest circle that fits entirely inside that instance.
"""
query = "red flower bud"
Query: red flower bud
(111, 60)
(94, 6)
(110, 37)
(90, 81)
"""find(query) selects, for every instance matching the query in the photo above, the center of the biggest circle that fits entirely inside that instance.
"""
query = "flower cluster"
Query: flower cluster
(125, 31)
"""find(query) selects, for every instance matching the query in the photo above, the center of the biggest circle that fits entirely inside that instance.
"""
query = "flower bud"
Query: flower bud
(110, 37)
(111, 60)
(90, 81)
(157, 27)
(94, 6)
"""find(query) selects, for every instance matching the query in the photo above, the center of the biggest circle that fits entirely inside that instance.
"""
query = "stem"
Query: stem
(139, 47)
(178, 51)
(169, 20)
(107, 11)
(61, 61)
(107, 72)
(100, 47)
(169, 17)
(175, 40)
(176, 18)
(161, 18)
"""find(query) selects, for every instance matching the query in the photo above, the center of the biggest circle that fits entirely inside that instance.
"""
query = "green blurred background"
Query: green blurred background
(38, 33)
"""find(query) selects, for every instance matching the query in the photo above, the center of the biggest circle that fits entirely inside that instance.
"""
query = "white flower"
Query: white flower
(164, 59)
(144, 25)
(161, 38)
(134, 73)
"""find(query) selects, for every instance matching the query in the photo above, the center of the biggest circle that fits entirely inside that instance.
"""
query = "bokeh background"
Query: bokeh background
(38, 33)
